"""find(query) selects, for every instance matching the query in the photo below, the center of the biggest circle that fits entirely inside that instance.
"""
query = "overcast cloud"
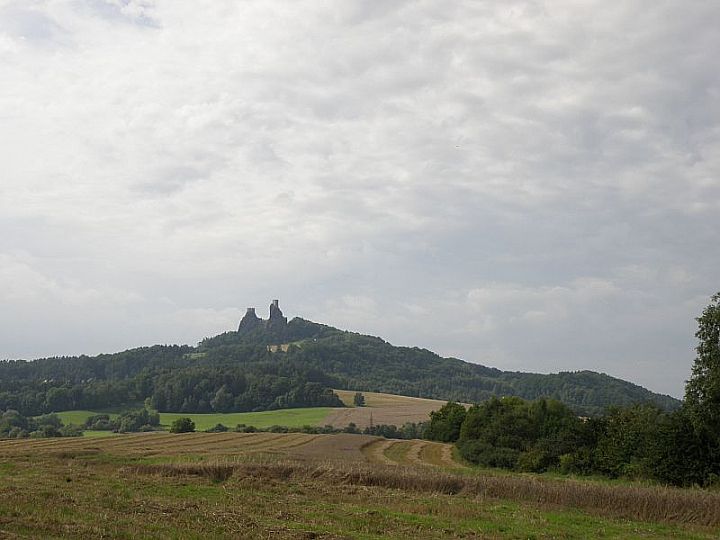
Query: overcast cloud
(529, 185)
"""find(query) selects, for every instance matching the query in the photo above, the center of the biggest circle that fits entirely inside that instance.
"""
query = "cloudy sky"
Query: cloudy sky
(531, 185)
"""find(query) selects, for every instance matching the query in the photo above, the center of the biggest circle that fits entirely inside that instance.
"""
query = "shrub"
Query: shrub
(482, 453)
(182, 425)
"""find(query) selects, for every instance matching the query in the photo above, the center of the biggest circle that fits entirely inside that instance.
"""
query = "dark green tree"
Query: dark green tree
(445, 423)
(702, 393)
(358, 399)
(182, 425)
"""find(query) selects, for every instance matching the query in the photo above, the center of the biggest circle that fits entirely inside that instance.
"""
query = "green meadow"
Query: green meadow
(313, 416)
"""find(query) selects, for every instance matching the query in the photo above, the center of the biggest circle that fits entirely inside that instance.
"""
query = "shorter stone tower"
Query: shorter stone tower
(250, 321)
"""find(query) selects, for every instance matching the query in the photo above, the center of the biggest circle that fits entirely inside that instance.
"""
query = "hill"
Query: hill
(276, 364)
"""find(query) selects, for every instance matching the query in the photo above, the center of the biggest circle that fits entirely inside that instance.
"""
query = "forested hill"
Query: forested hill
(278, 364)
(360, 362)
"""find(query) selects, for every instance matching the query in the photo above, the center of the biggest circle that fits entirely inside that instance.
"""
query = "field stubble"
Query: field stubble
(310, 486)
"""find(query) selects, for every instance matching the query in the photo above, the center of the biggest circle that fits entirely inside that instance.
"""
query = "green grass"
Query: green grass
(310, 416)
(79, 417)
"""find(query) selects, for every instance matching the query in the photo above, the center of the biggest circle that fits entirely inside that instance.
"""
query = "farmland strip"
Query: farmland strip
(375, 452)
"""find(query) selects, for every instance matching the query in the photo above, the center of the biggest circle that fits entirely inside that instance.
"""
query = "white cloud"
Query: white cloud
(491, 164)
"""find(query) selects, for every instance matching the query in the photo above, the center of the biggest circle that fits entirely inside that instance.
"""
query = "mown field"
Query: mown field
(266, 485)
(382, 409)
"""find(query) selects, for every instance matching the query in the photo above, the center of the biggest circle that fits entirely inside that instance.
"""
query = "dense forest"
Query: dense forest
(275, 364)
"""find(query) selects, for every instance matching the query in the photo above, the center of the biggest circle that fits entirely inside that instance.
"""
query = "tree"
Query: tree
(358, 400)
(445, 423)
(702, 392)
(223, 400)
(182, 425)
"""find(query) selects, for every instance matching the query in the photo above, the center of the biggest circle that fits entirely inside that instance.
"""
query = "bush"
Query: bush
(217, 428)
(132, 421)
(482, 453)
(182, 425)
(351, 428)
(71, 430)
(535, 460)
(579, 462)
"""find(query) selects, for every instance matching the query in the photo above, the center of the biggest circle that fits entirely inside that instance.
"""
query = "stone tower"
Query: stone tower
(250, 321)
(276, 320)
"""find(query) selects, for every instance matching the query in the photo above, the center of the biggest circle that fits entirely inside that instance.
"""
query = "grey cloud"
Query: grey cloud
(27, 22)
(530, 185)
(137, 12)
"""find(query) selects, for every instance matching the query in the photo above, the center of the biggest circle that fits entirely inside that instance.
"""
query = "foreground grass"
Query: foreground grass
(312, 416)
(87, 496)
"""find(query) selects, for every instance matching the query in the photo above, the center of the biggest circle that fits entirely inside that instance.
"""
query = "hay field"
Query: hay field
(299, 486)
(413, 452)
(198, 445)
(384, 409)
(341, 447)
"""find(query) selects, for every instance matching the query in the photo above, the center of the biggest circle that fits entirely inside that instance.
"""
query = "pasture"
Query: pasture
(380, 409)
(300, 486)
(312, 416)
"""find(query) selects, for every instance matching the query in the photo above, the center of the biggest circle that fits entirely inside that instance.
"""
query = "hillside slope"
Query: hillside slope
(360, 362)
(277, 364)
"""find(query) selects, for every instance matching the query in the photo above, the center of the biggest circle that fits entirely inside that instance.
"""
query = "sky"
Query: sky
(529, 185)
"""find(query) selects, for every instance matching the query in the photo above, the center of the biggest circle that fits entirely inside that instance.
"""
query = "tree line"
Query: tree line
(680, 447)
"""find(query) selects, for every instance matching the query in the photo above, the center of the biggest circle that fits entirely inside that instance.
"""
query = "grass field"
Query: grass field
(78, 417)
(312, 416)
(380, 409)
(299, 486)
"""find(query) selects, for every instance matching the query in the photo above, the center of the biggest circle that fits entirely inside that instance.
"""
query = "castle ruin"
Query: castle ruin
(251, 321)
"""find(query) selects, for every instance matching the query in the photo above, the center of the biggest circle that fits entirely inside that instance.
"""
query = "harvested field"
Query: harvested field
(341, 447)
(383, 408)
(414, 452)
(298, 486)
(166, 444)
(298, 445)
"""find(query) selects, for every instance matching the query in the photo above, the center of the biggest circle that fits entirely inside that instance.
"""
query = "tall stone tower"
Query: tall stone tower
(277, 320)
